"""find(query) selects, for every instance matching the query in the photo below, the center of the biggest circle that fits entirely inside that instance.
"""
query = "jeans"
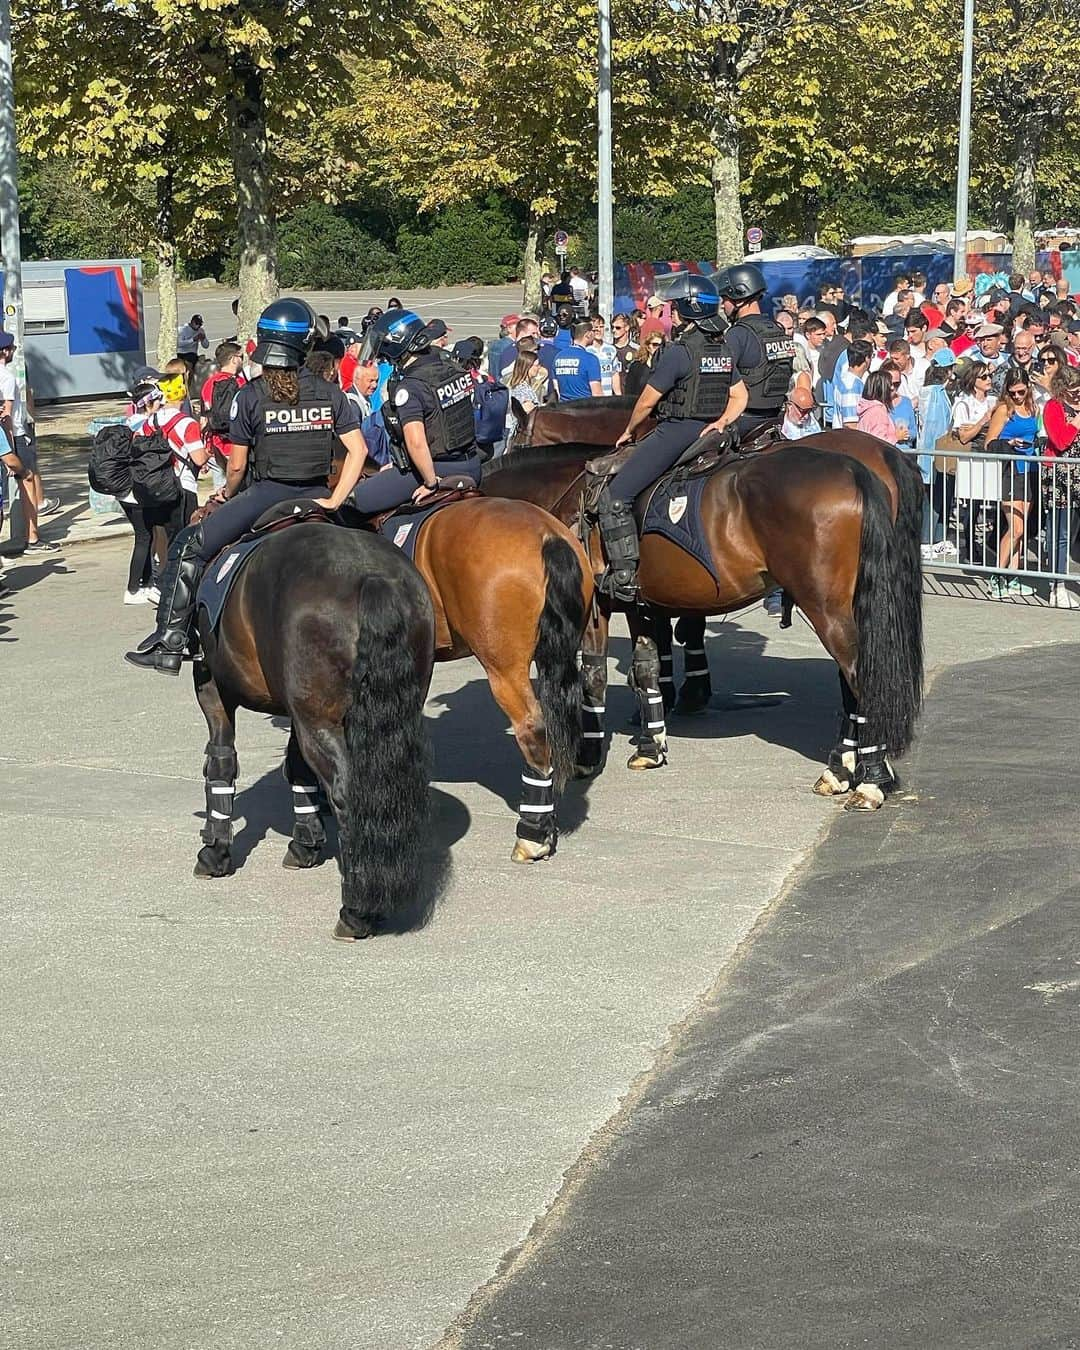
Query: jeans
(1062, 531)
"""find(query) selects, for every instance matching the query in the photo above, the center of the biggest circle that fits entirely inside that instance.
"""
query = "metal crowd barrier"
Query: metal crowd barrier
(1009, 518)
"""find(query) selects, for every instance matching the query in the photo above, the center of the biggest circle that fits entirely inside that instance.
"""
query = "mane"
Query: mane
(533, 456)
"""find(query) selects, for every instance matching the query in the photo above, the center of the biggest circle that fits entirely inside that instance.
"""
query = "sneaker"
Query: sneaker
(152, 594)
(48, 507)
(997, 586)
(42, 546)
(1060, 596)
(927, 552)
(136, 598)
(1014, 586)
(945, 549)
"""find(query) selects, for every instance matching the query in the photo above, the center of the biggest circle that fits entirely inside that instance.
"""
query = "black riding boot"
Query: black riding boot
(164, 649)
(618, 532)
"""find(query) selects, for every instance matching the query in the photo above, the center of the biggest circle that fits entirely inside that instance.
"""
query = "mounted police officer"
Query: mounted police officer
(428, 413)
(760, 348)
(281, 435)
(696, 387)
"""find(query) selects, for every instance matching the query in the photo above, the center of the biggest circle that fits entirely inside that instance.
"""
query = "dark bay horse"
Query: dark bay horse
(335, 630)
(513, 586)
(819, 525)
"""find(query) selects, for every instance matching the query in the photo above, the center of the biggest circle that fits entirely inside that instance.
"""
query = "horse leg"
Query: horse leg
(696, 689)
(662, 633)
(651, 751)
(869, 773)
(308, 836)
(537, 828)
(839, 772)
(219, 770)
(594, 678)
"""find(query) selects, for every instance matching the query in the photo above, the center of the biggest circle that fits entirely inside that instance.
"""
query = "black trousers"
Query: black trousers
(239, 513)
(654, 456)
(390, 487)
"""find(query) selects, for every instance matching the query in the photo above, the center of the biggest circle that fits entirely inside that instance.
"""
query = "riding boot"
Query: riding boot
(618, 531)
(164, 649)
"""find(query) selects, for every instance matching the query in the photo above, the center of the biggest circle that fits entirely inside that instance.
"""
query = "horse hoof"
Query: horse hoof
(354, 932)
(866, 797)
(298, 857)
(527, 851)
(647, 757)
(211, 864)
(828, 785)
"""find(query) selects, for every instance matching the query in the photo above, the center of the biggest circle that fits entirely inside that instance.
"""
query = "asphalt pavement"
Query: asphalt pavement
(868, 1137)
(222, 1129)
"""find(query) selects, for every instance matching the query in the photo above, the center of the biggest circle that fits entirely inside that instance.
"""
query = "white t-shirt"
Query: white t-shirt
(969, 408)
(580, 287)
(9, 389)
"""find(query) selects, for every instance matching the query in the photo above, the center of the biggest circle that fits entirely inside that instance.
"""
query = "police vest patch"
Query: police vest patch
(716, 365)
(676, 509)
(780, 350)
(454, 391)
(298, 419)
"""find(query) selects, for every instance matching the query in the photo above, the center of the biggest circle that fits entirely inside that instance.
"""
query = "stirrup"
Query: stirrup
(623, 592)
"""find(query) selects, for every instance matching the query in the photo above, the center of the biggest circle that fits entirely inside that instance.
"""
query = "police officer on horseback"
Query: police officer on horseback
(759, 346)
(428, 412)
(282, 433)
(697, 386)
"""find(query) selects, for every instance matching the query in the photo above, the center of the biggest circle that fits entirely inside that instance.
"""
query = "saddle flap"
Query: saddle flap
(442, 496)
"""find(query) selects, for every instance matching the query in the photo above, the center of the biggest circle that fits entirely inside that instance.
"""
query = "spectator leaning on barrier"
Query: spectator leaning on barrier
(1012, 430)
(1061, 482)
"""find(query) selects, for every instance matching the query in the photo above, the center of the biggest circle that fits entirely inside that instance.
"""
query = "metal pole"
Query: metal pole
(9, 227)
(605, 230)
(963, 167)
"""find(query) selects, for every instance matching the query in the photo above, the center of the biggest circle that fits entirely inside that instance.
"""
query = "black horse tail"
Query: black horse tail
(386, 795)
(887, 597)
(558, 680)
(909, 521)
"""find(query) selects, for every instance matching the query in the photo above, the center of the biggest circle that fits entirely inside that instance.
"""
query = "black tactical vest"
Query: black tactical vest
(451, 427)
(768, 382)
(294, 442)
(703, 395)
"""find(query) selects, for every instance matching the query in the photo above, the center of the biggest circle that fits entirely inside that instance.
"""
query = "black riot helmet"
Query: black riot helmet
(695, 300)
(741, 283)
(394, 335)
(284, 334)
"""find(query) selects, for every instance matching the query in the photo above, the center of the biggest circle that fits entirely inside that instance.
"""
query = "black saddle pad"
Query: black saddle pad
(404, 526)
(673, 510)
(220, 577)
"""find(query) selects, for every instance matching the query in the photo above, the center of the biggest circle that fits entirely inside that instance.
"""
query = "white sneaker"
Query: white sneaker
(152, 594)
(945, 549)
(1062, 598)
(136, 598)
(927, 552)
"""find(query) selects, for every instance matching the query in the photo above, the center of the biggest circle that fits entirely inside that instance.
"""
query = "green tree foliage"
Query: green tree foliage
(478, 242)
(326, 250)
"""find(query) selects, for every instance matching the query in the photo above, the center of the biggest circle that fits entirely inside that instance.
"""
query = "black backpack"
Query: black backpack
(153, 479)
(221, 401)
(109, 469)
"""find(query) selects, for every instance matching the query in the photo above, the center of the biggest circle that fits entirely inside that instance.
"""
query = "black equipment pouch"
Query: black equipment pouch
(399, 456)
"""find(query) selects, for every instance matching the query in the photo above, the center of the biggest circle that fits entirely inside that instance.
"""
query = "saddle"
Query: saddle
(442, 496)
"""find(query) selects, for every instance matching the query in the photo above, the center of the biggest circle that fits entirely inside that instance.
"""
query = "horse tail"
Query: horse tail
(909, 522)
(888, 617)
(558, 680)
(386, 794)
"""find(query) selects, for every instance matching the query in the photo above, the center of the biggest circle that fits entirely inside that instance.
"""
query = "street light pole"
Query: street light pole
(604, 225)
(963, 166)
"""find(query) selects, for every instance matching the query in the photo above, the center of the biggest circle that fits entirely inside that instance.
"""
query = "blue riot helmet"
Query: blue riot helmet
(393, 335)
(695, 299)
(284, 334)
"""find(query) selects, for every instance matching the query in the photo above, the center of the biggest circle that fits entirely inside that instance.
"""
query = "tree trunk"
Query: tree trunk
(725, 184)
(1029, 134)
(165, 249)
(533, 266)
(811, 214)
(255, 227)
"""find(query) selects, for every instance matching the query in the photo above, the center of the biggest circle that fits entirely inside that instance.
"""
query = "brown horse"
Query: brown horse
(513, 586)
(820, 526)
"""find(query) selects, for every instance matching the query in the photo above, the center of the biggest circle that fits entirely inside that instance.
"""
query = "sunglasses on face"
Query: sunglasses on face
(1018, 393)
